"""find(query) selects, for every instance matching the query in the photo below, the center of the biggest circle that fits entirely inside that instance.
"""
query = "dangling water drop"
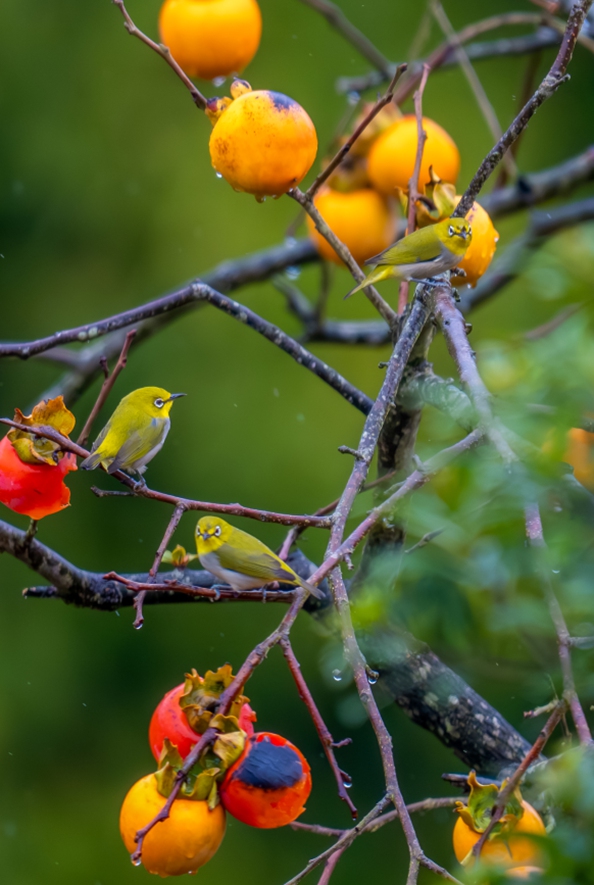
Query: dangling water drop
(336, 675)
(353, 97)
(136, 861)
(293, 273)
(219, 174)
(290, 242)
(372, 676)
(218, 81)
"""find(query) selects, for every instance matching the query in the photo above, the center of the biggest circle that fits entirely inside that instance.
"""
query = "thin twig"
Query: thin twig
(345, 148)
(514, 780)
(549, 85)
(382, 307)
(168, 534)
(338, 20)
(413, 808)
(253, 660)
(143, 491)
(535, 537)
(326, 739)
(482, 99)
(413, 184)
(106, 387)
(453, 326)
(197, 97)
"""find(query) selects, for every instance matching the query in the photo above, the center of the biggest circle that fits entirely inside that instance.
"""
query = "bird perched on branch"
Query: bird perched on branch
(240, 560)
(423, 254)
(135, 432)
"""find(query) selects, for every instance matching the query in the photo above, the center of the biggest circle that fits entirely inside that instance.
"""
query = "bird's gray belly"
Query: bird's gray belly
(140, 465)
(425, 269)
(211, 563)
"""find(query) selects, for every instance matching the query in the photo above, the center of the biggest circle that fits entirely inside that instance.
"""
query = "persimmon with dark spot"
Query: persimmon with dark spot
(263, 143)
(269, 784)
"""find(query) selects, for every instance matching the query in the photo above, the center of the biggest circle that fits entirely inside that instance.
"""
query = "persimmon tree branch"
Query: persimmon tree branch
(549, 85)
(197, 97)
(535, 537)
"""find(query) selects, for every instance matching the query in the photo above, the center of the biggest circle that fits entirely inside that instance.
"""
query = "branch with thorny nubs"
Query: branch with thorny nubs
(343, 780)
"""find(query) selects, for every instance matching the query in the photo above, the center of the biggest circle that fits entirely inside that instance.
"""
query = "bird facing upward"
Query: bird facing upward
(239, 559)
(135, 432)
(424, 253)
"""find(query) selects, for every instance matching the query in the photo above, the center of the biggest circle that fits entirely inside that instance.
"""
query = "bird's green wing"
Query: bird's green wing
(257, 563)
(139, 444)
(410, 250)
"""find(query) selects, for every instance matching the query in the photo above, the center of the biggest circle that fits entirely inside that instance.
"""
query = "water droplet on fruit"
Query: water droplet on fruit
(336, 675)
(218, 174)
(293, 273)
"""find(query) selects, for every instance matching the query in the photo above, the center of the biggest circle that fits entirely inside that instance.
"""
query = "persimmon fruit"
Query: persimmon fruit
(509, 849)
(361, 219)
(35, 490)
(482, 248)
(392, 156)
(269, 783)
(211, 38)
(187, 840)
(263, 143)
(170, 721)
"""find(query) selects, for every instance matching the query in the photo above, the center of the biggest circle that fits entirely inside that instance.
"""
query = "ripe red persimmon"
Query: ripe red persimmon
(35, 490)
(170, 721)
(269, 783)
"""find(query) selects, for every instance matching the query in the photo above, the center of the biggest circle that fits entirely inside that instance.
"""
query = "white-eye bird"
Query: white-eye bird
(135, 432)
(240, 560)
(424, 253)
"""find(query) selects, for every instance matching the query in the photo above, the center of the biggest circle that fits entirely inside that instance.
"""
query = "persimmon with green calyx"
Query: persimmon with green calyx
(211, 38)
(191, 702)
(392, 156)
(269, 784)
(263, 143)
(361, 219)
(511, 843)
(32, 468)
(184, 842)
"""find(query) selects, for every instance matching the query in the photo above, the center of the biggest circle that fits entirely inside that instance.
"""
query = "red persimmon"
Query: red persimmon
(269, 783)
(35, 490)
(170, 721)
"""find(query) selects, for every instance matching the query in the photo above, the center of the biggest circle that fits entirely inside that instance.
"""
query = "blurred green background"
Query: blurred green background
(108, 199)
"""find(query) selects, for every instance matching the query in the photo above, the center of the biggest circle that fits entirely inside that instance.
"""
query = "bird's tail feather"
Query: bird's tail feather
(90, 463)
(374, 276)
(315, 591)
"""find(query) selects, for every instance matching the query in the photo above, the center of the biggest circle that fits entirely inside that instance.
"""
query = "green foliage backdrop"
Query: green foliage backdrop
(107, 198)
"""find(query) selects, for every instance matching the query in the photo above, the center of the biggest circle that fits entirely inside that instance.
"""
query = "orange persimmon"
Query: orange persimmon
(392, 156)
(187, 840)
(361, 219)
(263, 143)
(509, 849)
(579, 453)
(480, 253)
(211, 38)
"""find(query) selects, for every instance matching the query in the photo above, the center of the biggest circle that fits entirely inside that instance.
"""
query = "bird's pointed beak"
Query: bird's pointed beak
(176, 396)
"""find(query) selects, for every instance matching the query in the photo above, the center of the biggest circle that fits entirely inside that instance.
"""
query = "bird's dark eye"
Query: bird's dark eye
(217, 531)
(451, 230)
(159, 402)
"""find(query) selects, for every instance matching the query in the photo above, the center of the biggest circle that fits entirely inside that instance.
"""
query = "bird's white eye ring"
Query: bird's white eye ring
(469, 231)
(217, 531)
(451, 230)
(159, 402)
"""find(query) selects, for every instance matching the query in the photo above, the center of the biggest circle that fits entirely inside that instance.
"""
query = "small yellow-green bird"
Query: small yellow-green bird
(135, 432)
(239, 559)
(424, 253)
